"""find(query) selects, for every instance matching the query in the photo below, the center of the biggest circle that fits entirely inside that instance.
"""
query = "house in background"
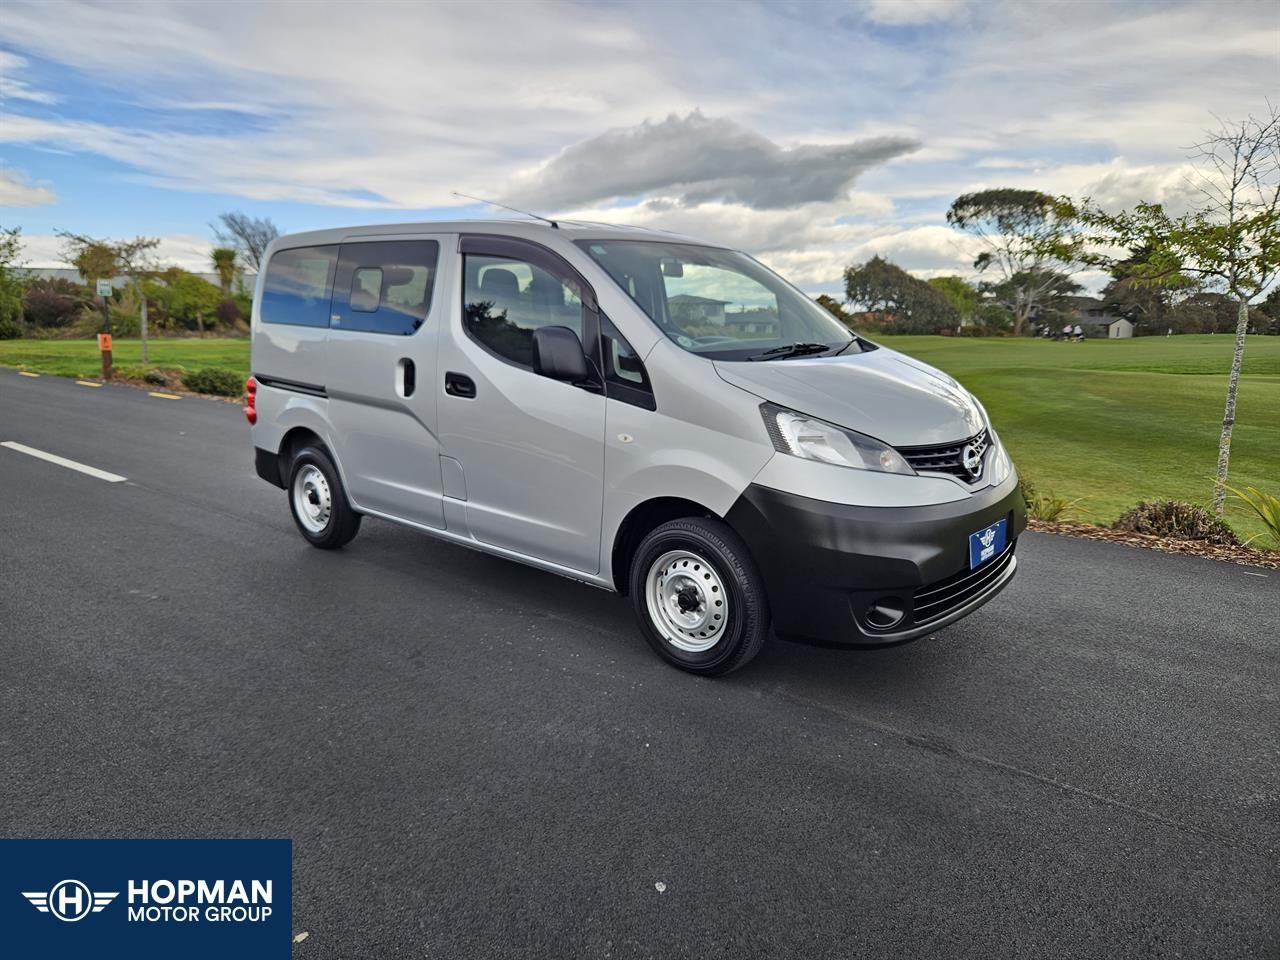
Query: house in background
(690, 311)
(753, 322)
(1093, 317)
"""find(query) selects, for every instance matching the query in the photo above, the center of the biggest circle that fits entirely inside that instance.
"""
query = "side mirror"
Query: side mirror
(558, 354)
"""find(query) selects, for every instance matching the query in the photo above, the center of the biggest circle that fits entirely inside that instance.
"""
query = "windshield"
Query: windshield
(719, 303)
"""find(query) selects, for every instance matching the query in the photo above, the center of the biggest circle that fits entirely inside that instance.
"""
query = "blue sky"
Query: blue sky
(813, 134)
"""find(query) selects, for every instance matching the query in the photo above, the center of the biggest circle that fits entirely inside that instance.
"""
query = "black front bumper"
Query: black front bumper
(828, 566)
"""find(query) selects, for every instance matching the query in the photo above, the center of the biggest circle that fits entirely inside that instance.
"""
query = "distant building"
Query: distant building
(757, 321)
(1093, 317)
(688, 310)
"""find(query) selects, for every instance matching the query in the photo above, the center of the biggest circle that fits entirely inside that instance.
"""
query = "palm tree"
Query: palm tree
(224, 261)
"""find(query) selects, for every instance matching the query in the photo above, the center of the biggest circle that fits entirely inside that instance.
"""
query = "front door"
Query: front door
(383, 335)
(531, 448)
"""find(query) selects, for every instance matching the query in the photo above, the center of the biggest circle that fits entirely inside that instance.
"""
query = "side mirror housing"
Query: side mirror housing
(558, 354)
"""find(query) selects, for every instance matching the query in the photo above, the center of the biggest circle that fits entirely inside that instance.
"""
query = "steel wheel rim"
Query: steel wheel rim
(312, 499)
(686, 599)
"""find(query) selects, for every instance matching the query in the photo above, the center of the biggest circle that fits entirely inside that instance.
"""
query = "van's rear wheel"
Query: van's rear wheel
(699, 596)
(319, 504)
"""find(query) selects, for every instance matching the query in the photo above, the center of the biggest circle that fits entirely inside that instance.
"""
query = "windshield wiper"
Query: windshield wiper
(792, 350)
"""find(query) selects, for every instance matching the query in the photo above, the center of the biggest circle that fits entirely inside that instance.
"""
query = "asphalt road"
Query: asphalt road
(476, 759)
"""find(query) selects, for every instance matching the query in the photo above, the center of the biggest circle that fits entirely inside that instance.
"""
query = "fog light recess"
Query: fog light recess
(885, 613)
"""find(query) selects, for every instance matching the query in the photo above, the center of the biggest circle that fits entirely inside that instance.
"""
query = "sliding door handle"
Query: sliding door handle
(406, 377)
(459, 385)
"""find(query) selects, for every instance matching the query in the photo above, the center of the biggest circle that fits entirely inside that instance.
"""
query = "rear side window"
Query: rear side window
(385, 286)
(297, 286)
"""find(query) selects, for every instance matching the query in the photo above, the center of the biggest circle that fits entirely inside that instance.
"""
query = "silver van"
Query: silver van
(649, 414)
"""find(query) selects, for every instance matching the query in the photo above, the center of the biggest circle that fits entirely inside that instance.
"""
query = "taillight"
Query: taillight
(251, 393)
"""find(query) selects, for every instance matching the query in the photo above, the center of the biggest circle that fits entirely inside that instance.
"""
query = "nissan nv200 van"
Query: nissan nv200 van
(649, 414)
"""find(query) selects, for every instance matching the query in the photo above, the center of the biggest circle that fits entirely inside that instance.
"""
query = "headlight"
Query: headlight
(811, 439)
(1001, 465)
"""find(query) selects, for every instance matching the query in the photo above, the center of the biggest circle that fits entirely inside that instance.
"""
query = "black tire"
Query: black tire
(342, 523)
(730, 565)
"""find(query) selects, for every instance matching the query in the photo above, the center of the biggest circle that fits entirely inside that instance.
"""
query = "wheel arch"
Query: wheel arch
(637, 524)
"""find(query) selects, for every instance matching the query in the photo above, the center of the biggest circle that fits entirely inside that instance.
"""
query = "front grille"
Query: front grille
(935, 601)
(950, 459)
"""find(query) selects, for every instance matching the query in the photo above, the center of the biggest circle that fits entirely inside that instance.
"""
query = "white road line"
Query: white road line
(64, 462)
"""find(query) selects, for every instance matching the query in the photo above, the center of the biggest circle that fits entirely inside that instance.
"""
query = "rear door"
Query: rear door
(381, 363)
(530, 449)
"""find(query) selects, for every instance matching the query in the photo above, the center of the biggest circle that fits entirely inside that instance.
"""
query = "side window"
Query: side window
(505, 299)
(297, 286)
(624, 375)
(385, 286)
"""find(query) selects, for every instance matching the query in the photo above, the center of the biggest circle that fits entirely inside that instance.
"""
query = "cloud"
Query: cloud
(896, 13)
(699, 159)
(13, 88)
(773, 112)
(17, 191)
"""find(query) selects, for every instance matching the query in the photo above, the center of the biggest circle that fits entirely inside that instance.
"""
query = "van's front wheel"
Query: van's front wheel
(319, 504)
(699, 596)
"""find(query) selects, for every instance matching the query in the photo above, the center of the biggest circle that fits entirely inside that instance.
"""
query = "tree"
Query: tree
(902, 301)
(184, 297)
(104, 259)
(250, 236)
(1054, 288)
(1230, 240)
(224, 262)
(960, 294)
(12, 283)
(52, 302)
(1030, 242)
(832, 306)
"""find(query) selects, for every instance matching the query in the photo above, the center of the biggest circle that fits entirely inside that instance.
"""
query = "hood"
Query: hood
(881, 393)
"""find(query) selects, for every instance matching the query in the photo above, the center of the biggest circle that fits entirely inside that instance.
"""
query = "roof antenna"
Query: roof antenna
(494, 203)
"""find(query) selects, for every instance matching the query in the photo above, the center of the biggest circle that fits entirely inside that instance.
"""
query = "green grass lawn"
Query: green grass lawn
(1113, 421)
(79, 358)
(1117, 421)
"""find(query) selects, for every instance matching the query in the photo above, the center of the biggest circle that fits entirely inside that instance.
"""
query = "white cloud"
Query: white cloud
(13, 87)
(17, 191)
(408, 102)
(904, 12)
(700, 159)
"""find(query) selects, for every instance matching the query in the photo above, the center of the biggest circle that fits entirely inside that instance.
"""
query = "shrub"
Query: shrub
(1047, 506)
(1266, 506)
(228, 313)
(53, 302)
(10, 329)
(157, 377)
(222, 383)
(1181, 521)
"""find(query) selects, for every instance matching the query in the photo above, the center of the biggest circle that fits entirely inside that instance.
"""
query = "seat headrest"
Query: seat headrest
(500, 283)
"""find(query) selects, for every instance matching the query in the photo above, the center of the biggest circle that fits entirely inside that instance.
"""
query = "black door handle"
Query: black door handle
(459, 385)
(408, 377)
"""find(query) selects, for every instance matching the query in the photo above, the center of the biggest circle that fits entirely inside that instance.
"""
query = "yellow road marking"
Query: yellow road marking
(166, 396)
(88, 383)
(27, 373)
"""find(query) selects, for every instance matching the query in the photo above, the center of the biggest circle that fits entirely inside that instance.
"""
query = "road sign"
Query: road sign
(104, 288)
(104, 342)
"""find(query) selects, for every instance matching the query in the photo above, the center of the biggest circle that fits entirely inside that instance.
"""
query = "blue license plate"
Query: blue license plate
(987, 543)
